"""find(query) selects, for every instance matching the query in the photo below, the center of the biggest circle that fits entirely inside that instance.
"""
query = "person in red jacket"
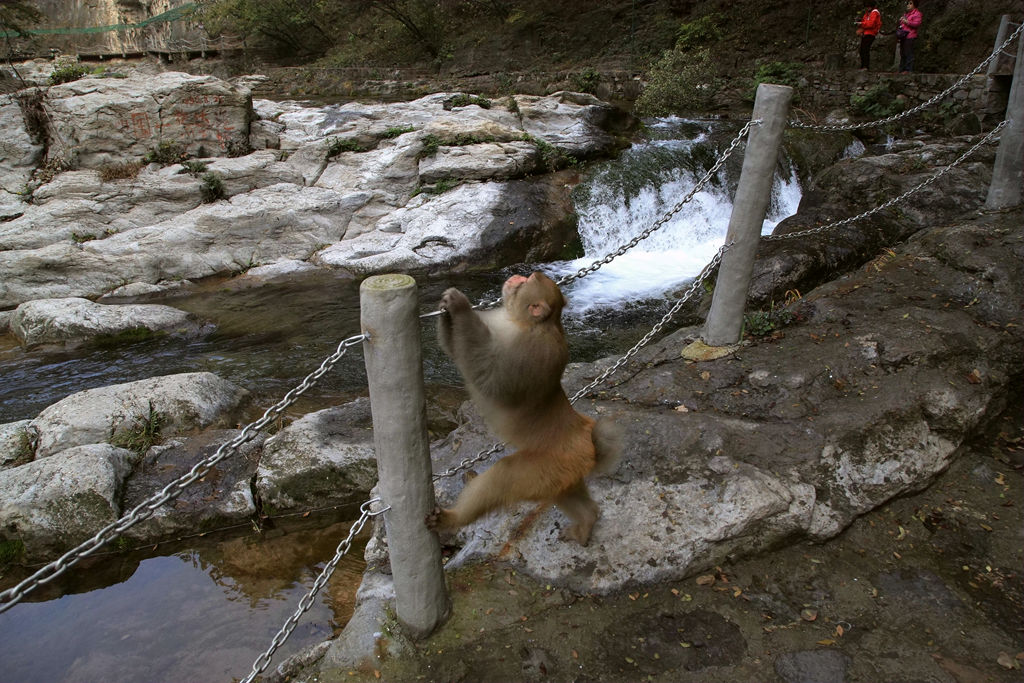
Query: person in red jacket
(867, 28)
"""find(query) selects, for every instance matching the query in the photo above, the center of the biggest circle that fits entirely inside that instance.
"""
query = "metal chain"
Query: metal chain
(929, 181)
(909, 112)
(694, 287)
(145, 509)
(263, 661)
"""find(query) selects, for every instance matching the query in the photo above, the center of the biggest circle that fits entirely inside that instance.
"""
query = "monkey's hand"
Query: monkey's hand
(453, 301)
(439, 519)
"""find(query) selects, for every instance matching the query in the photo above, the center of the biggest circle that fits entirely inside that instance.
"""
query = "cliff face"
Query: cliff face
(110, 27)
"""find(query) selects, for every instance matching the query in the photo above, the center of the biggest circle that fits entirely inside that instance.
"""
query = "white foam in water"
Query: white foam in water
(674, 254)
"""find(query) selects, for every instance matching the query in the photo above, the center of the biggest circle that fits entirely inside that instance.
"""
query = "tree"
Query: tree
(15, 18)
(299, 27)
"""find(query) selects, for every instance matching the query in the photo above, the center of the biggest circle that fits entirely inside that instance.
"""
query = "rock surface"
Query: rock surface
(361, 187)
(177, 402)
(54, 503)
(74, 320)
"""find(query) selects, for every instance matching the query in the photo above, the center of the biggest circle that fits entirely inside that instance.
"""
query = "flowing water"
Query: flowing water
(205, 610)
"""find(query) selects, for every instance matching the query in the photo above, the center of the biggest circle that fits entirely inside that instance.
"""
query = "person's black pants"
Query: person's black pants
(907, 54)
(865, 51)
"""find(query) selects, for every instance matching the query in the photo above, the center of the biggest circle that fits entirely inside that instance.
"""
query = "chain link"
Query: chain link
(263, 661)
(920, 107)
(929, 181)
(145, 509)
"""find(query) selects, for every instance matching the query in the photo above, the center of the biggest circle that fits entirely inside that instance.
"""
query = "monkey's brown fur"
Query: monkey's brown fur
(512, 359)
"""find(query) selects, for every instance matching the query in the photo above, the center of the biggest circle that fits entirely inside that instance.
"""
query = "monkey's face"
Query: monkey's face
(532, 299)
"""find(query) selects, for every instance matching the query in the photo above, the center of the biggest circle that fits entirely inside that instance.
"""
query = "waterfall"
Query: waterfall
(623, 197)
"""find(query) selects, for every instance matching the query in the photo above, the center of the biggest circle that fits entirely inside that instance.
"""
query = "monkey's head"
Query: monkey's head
(533, 299)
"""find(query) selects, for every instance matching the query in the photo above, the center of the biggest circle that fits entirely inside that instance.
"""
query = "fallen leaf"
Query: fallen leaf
(737, 591)
(705, 580)
(840, 631)
(376, 674)
(705, 375)
(675, 591)
(974, 377)
(575, 655)
(1006, 661)
(809, 614)
(682, 409)
(826, 641)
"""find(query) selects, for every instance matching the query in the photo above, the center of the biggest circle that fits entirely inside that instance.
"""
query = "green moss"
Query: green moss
(129, 336)
(11, 551)
(396, 131)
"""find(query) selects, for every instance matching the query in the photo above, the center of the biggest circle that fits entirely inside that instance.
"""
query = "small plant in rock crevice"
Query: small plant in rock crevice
(212, 187)
(765, 323)
(166, 153)
(140, 432)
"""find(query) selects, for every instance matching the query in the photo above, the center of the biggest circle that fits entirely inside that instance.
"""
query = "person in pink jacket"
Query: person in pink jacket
(907, 34)
(867, 28)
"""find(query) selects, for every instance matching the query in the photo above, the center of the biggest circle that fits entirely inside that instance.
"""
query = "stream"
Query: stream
(205, 608)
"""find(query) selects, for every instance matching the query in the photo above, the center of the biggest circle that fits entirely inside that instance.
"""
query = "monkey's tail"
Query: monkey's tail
(607, 436)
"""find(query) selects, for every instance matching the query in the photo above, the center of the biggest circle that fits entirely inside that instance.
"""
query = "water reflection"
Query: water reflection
(200, 614)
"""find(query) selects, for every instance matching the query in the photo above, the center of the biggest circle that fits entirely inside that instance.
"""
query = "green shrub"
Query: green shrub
(211, 187)
(167, 152)
(463, 100)
(193, 167)
(778, 73)
(338, 145)
(680, 82)
(68, 73)
(586, 81)
(698, 33)
(398, 130)
(876, 102)
(431, 143)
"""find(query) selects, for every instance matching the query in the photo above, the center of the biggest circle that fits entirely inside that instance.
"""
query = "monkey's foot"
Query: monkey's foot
(579, 533)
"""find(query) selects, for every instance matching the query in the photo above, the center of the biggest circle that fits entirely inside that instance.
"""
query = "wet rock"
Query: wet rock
(221, 497)
(55, 503)
(321, 459)
(67, 322)
(172, 403)
(816, 666)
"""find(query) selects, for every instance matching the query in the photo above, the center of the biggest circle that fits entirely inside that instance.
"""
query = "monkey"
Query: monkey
(512, 359)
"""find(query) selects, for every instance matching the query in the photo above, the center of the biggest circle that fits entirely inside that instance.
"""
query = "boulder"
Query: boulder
(53, 504)
(324, 458)
(483, 161)
(222, 497)
(173, 403)
(100, 121)
(71, 321)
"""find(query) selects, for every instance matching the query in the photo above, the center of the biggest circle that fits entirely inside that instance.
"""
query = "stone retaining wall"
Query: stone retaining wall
(819, 90)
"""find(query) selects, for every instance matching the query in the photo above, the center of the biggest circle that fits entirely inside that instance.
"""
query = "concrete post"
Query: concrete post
(1001, 34)
(394, 369)
(725, 320)
(1008, 172)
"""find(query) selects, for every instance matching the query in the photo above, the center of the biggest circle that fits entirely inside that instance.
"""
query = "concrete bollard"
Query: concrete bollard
(1008, 172)
(753, 195)
(394, 369)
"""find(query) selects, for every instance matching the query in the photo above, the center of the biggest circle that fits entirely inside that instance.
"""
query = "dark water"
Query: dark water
(267, 339)
(202, 613)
